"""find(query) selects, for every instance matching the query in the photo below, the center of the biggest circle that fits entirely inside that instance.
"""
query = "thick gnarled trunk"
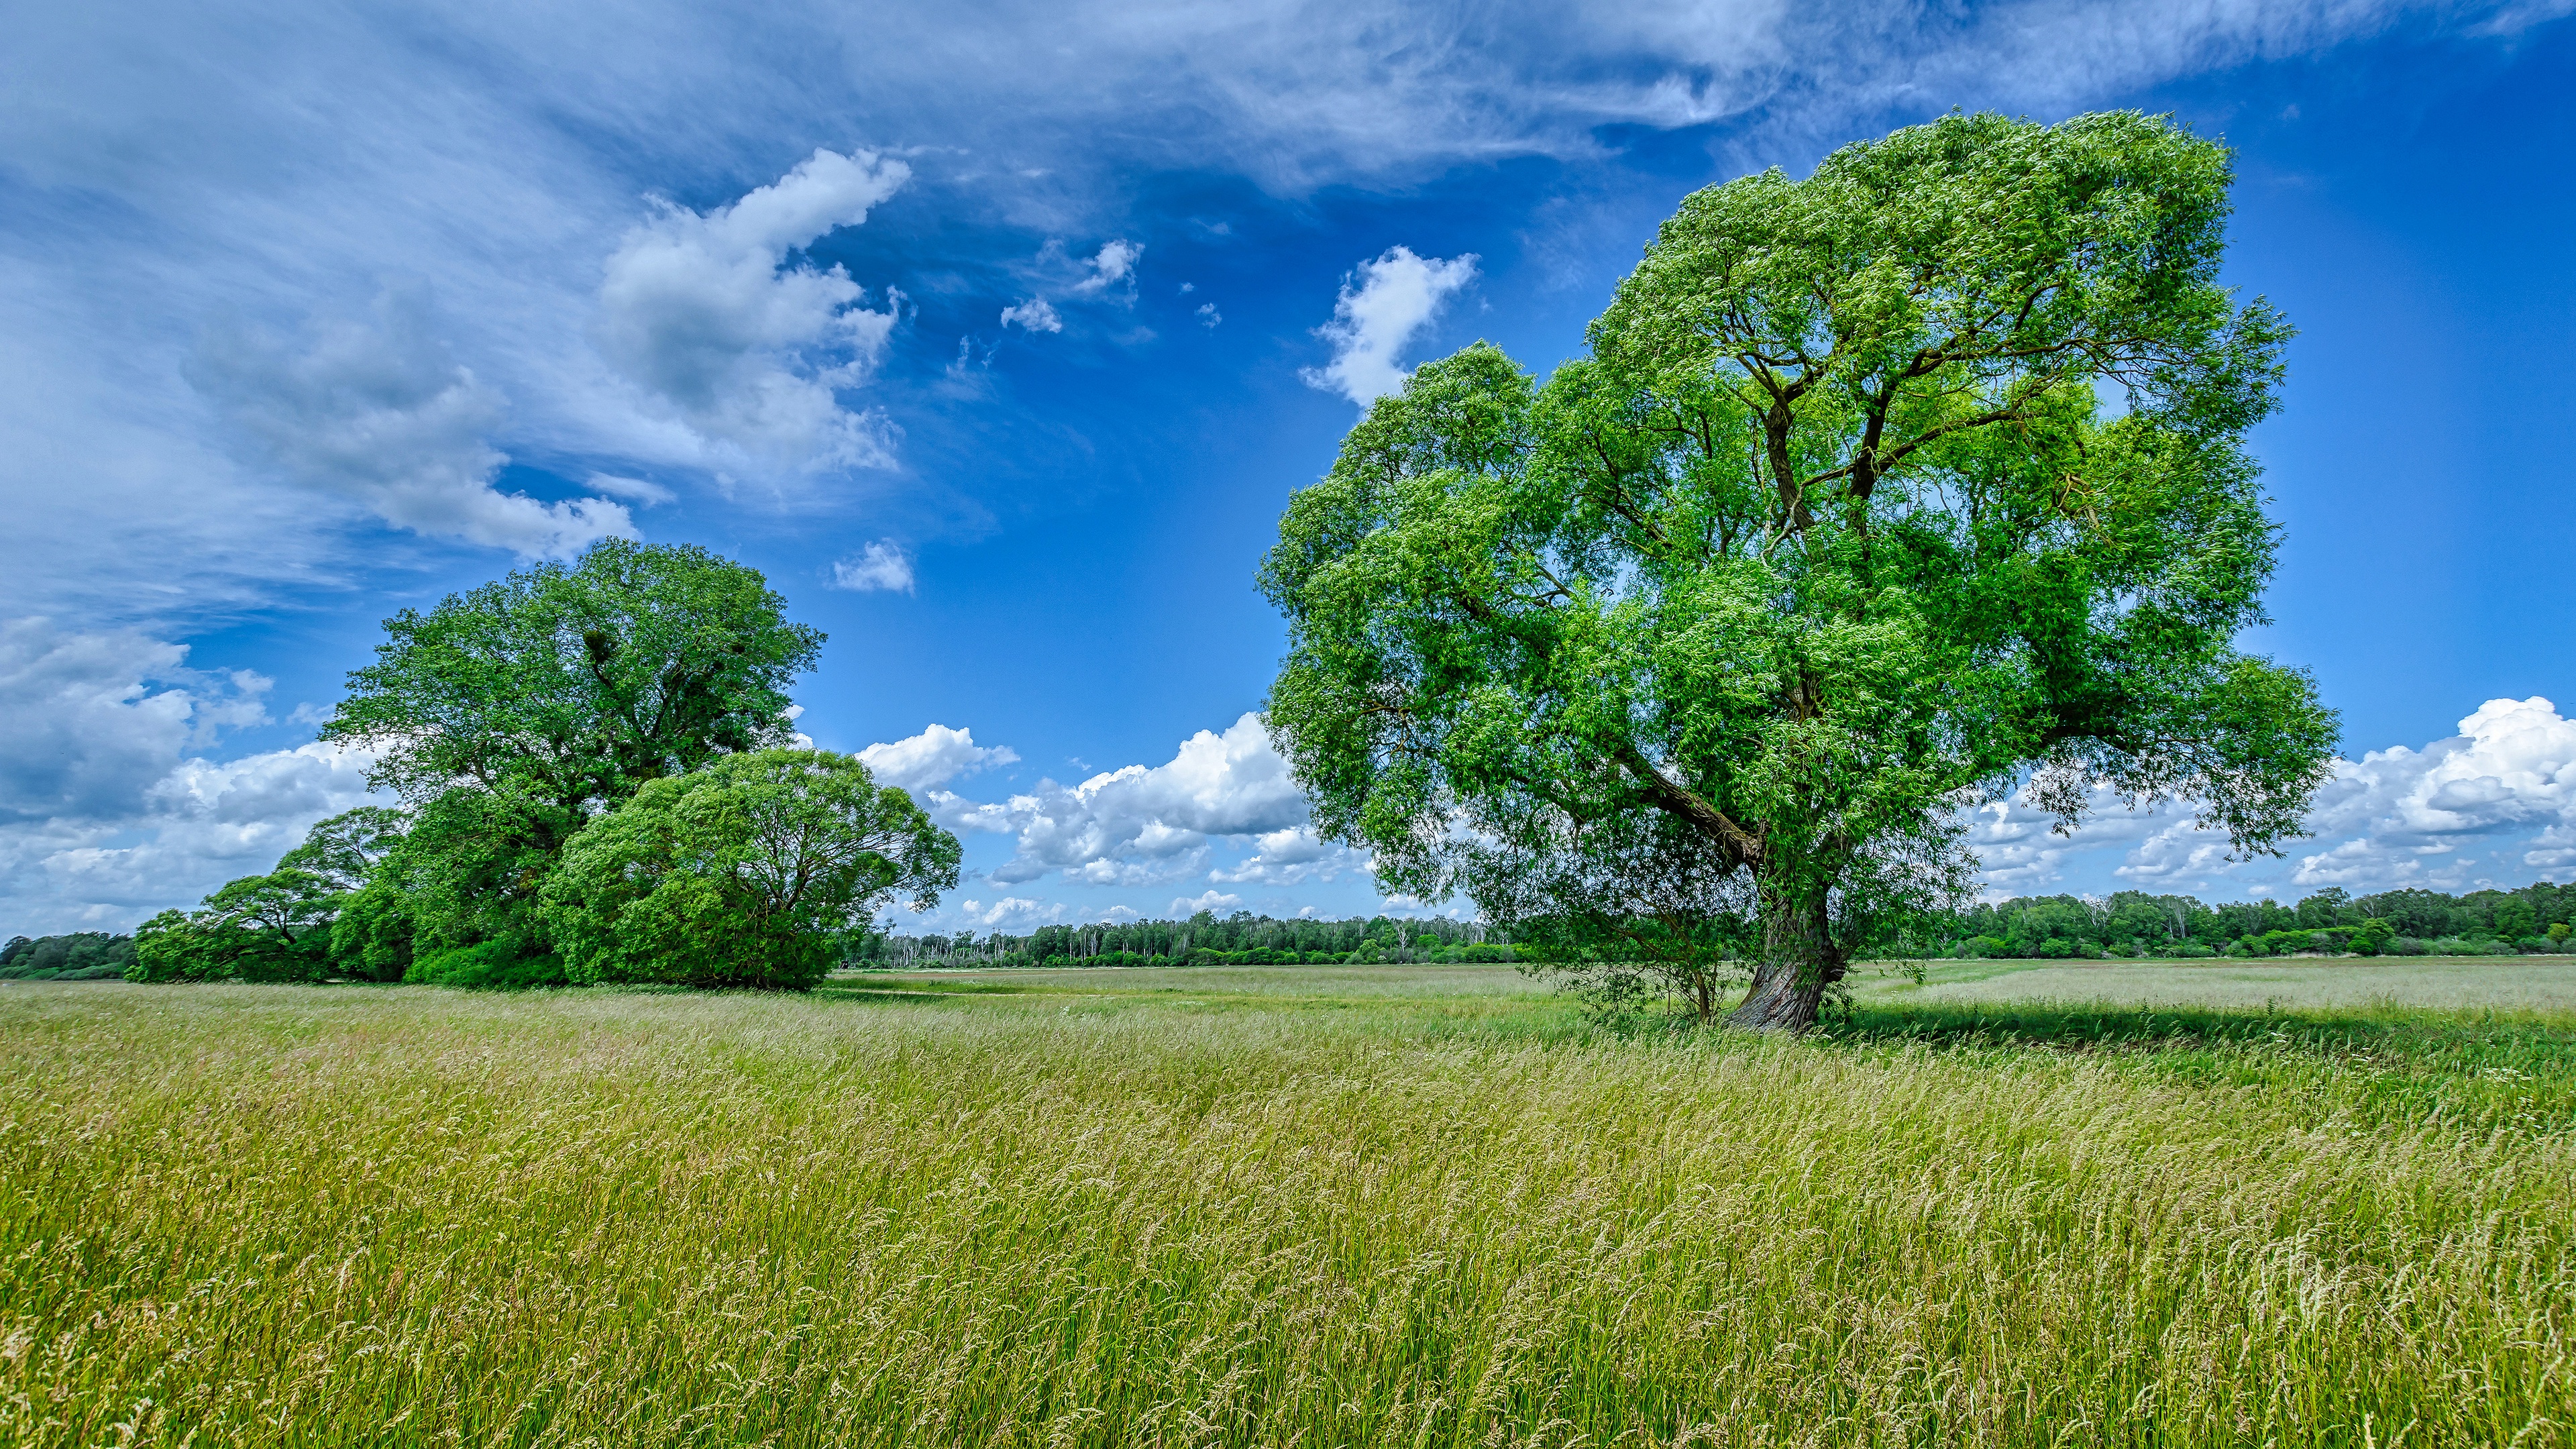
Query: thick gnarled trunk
(1798, 962)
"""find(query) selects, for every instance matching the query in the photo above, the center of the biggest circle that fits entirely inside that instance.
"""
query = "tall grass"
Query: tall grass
(918, 1214)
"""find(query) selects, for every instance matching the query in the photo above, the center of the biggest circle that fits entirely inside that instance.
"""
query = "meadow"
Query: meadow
(2017, 1203)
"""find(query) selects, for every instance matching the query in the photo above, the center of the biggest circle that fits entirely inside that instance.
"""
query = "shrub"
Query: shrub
(750, 872)
(490, 966)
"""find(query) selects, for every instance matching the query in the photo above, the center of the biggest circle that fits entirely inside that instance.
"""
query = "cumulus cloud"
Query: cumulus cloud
(1142, 825)
(89, 721)
(881, 565)
(109, 806)
(704, 312)
(1208, 315)
(933, 757)
(1034, 315)
(2498, 795)
(1292, 857)
(1213, 902)
(1011, 914)
(378, 412)
(1396, 296)
(2495, 803)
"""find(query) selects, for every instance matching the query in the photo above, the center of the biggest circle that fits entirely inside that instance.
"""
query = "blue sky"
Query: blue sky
(999, 343)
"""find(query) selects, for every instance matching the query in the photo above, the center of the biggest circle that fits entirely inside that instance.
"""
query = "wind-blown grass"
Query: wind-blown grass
(1320, 1207)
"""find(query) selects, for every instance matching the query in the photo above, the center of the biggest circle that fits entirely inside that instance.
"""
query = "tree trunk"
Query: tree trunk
(1798, 962)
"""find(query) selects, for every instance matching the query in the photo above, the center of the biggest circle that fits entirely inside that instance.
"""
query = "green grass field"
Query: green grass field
(2052, 1203)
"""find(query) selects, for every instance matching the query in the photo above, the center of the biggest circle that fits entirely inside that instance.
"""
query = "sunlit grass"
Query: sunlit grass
(1274, 1205)
(2500, 983)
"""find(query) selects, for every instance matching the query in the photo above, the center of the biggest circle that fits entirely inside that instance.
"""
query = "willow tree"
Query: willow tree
(1918, 482)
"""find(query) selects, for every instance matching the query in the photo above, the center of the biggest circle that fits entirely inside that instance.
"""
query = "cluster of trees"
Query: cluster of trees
(2535, 918)
(1915, 482)
(1240, 939)
(80, 956)
(598, 782)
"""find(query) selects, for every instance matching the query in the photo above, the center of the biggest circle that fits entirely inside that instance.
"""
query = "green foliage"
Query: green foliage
(747, 872)
(472, 864)
(374, 936)
(79, 956)
(345, 850)
(1241, 938)
(1828, 533)
(511, 715)
(2132, 923)
(490, 966)
(578, 684)
(274, 927)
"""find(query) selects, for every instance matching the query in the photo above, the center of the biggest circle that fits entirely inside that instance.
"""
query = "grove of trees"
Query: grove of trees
(1913, 483)
(598, 783)
(2533, 918)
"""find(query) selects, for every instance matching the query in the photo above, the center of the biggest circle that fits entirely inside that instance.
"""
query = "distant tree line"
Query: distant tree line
(1205, 939)
(280, 940)
(80, 956)
(2533, 919)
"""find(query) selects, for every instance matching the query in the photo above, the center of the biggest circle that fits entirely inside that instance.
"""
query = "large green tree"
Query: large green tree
(510, 716)
(1918, 481)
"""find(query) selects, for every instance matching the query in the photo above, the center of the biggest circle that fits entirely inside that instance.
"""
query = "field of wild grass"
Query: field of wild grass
(2107, 1204)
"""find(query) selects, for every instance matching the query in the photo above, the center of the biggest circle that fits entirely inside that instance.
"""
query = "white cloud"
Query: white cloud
(1208, 315)
(1116, 263)
(2510, 770)
(933, 757)
(1034, 315)
(2494, 803)
(107, 809)
(1141, 825)
(1373, 323)
(89, 721)
(1011, 914)
(379, 413)
(880, 565)
(1213, 902)
(650, 494)
(1291, 857)
(704, 312)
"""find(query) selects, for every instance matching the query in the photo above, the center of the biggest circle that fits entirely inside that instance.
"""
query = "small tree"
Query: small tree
(274, 927)
(1831, 533)
(749, 872)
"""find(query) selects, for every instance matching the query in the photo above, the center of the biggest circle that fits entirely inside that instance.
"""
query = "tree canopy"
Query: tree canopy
(749, 872)
(575, 685)
(1908, 484)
